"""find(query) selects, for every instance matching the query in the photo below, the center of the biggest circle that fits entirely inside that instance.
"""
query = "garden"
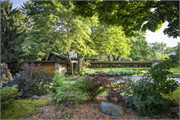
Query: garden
(64, 98)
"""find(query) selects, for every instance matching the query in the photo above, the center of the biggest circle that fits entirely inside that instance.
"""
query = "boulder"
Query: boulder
(35, 97)
(111, 109)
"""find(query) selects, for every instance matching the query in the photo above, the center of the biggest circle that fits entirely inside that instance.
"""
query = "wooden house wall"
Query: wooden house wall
(48, 67)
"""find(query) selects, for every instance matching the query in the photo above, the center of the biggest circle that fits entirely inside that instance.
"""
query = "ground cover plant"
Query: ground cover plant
(23, 108)
(8, 94)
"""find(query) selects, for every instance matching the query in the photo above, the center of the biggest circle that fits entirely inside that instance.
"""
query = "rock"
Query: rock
(19, 75)
(110, 109)
(35, 97)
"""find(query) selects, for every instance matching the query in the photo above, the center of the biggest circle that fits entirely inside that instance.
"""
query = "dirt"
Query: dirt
(91, 110)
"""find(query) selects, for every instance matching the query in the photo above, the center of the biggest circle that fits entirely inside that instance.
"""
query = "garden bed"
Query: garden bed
(91, 110)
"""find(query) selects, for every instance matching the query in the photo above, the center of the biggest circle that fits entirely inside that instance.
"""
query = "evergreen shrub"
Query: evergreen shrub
(63, 91)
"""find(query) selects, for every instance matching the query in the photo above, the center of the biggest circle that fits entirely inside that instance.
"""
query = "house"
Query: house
(53, 59)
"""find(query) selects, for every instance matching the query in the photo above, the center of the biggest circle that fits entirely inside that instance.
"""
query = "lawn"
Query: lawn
(175, 71)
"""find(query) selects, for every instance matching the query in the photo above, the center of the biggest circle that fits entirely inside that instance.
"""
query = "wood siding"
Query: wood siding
(48, 67)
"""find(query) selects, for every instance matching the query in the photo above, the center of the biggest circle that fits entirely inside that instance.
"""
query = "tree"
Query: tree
(134, 15)
(160, 56)
(113, 42)
(157, 47)
(11, 21)
(170, 50)
(140, 48)
(55, 29)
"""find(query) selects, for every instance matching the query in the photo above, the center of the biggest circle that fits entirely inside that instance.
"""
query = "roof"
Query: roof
(131, 62)
(61, 56)
(86, 58)
(38, 61)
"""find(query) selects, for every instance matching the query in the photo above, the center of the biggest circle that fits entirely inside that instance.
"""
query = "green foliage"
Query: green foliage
(110, 72)
(33, 80)
(8, 94)
(160, 72)
(140, 49)
(5, 73)
(91, 87)
(59, 91)
(75, 73)
(27, 108)
(12, 27)
(69, 73)
(82, 73)
(146, 99)
(122, 13)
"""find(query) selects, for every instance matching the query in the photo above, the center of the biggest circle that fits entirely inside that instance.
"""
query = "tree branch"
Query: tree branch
(160, 7)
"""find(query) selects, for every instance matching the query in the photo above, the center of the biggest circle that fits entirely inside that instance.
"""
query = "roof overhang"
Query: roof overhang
(123, 62)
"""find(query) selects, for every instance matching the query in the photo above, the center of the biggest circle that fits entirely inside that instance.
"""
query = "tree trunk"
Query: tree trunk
(70, 63)
(109, 57)
(79, 62)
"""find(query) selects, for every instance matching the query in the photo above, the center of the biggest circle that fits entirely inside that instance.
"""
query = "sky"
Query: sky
(151, 37)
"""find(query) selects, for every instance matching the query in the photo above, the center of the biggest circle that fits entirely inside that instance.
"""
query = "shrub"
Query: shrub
(160, 72)
(75, 73)
(8, 94)
(69, 73)
(59, 92)
(82, 73)
(5, 73)
(145, 99)
(91, 87)
(33, 80)
(110, 72)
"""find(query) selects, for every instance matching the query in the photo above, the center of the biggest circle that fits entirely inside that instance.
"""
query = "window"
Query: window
(148, 65)
(108, 65)
(142, 65)
(135, 65)
(131, 66)
(119, 65)
(103, 65)
(97, 66)
(113, 65)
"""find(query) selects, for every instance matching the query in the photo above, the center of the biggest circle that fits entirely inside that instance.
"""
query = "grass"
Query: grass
(175, 71)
